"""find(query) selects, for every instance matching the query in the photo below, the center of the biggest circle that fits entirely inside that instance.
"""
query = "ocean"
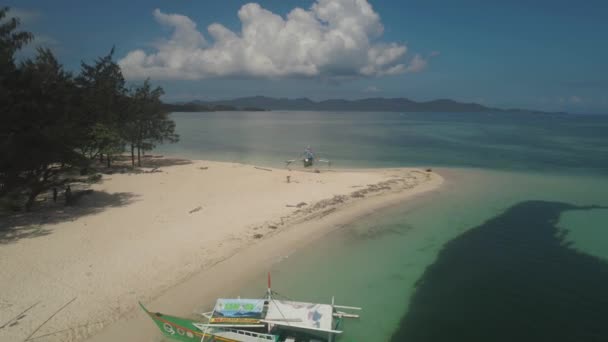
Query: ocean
(514, 247)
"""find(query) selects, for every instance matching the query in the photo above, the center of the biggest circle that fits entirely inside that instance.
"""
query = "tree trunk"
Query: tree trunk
(108, 160)
(132, 155)
(101, 157)
(138, 156)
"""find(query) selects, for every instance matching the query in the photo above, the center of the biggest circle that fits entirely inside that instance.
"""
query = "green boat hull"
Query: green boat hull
(182, 329)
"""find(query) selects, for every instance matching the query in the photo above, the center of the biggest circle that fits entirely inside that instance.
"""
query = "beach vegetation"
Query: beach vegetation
(103, 104)
(149, 123)
(54, 124)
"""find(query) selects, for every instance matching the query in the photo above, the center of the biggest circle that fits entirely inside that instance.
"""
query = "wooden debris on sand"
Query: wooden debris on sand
(15, 320)
(299, 205)
(195, 209)
(154, 170)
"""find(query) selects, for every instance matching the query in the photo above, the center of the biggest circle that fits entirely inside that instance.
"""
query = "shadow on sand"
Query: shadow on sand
(149, 161)
(156, 161)
(122, 164)
(511, 279)
(29, 225)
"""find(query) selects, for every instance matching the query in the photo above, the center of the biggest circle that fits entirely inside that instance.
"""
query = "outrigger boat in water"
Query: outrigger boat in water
(260, 319)
(308, 159)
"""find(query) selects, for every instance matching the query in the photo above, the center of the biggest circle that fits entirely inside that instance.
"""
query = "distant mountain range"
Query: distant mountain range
(258, 103)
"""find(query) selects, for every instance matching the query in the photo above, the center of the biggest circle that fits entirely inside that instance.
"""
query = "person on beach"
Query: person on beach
(68, 195)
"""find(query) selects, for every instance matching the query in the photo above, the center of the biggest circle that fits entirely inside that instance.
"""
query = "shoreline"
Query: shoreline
(226, 260)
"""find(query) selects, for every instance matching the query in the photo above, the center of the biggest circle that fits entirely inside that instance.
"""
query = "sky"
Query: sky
(545, 54)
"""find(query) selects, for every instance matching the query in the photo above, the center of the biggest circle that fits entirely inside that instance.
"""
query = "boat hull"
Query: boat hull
(182, 329)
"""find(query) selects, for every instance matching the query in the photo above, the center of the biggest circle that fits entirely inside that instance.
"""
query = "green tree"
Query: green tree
(148, 122)
(43, 123)
(38, 117)
(103, 104)
(51, 122)
(10, 41)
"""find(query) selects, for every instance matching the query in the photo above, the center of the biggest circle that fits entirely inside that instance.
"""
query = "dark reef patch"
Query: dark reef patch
(511, 279)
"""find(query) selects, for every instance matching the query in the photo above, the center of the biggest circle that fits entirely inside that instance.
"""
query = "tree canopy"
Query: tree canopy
(52, 122)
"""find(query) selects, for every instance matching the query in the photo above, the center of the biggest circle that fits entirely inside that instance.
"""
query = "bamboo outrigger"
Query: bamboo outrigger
(258, 320)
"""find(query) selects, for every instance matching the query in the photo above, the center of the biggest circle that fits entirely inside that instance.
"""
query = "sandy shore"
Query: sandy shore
(160, 237)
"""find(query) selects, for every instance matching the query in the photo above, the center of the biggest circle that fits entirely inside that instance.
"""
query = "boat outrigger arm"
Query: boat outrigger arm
(307, 164)
(243, 320)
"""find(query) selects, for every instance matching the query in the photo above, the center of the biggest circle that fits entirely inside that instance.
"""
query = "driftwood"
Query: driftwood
(19, 316)
(299, 205)
(195, 209)
(261, 168)
(203, 167)
(154, 170)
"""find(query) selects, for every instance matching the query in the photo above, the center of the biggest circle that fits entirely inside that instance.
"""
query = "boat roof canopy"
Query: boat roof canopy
(300, 315)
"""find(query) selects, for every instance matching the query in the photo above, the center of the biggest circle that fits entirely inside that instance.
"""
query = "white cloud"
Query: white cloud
(334, 39)
(417, 64)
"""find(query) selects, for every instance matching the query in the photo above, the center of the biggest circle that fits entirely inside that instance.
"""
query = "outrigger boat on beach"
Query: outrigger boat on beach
(260, 319)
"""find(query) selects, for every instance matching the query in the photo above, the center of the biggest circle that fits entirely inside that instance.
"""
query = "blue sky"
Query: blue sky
(549, 55)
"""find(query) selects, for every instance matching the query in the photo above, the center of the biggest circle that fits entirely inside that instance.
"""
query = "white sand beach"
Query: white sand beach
(159, 237)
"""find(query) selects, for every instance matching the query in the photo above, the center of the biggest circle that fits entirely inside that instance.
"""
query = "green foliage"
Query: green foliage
(105, 139)
(38, 126)
(36, 117)
(103, 105)
(51, 121)
(148, 123)
(10, 40)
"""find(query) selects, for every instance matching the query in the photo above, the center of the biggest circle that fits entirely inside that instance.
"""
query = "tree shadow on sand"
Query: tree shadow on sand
(150, 161)
(122, 164)
(29, 225)
(160, 161)
(512, 278)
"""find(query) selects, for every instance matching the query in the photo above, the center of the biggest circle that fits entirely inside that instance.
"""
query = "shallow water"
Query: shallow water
(501, 252)
(379, 262)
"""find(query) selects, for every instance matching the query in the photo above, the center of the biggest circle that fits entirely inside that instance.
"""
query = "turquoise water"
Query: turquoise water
(504, 251)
